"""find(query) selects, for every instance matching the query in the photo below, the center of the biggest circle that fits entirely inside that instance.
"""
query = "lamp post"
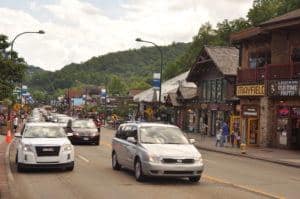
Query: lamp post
(12, 46)
(161, 64)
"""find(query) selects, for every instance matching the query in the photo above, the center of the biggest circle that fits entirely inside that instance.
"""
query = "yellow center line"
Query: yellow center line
(220, 181)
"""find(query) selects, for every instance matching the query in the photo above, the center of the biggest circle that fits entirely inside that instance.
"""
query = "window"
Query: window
(219, 90)
(204, 96)
(208, 90)
(296, 55)
(121, 133)
(213, 90)
(259, 59)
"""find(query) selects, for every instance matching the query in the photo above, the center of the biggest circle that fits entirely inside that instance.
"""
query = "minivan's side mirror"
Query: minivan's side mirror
(192, 141)
(131, 140)
(18, 135)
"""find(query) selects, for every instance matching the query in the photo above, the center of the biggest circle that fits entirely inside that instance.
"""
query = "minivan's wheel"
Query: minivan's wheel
(114, 162)
(195, 179)
(138, 171)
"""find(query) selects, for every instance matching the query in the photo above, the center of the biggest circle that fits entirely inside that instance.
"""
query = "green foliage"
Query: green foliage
(12, 69)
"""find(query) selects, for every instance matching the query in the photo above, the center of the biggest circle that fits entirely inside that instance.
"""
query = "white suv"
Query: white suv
(44, 145)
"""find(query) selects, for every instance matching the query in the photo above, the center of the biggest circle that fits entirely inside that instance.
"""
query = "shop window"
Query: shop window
(259, 59)
(296, 55)
(213, 90)
(208, 90)
(224, 89)
(204, 96)
(219, 90)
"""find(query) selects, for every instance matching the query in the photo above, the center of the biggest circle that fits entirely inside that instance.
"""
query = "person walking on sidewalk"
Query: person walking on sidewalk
(16, 123)
(225, 133)
(218, 137)
(232, 138)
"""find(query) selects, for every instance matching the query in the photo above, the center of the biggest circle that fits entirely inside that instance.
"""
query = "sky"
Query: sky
(76, 30)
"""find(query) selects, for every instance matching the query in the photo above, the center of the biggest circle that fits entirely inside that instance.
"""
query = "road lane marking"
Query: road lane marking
(220, 181)
(253, 190)
(83, 158)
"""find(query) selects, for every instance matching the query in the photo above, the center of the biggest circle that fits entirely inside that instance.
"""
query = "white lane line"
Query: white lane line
(83, 158)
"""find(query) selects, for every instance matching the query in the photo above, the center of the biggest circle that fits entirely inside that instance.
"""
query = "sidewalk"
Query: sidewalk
(3, 175)
(279, 156)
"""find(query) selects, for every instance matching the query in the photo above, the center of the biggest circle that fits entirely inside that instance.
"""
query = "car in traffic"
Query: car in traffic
(44, 145)
(83, 131)
(157, 150)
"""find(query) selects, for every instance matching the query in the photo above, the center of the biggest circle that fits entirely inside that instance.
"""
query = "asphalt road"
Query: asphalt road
(224, 177)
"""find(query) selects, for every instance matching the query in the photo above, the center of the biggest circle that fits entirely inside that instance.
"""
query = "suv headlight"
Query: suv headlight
(67, 147)
(198, 159)
(27, 148)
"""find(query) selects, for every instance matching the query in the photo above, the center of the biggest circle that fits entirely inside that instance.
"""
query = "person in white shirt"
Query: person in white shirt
(16, 123)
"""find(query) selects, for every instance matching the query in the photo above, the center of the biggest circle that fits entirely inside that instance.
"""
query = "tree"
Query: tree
(12, 69)
(116, 86)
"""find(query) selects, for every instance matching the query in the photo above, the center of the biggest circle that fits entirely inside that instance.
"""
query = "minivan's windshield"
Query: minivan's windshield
(83, 124)
(162, 135)
(44, 132)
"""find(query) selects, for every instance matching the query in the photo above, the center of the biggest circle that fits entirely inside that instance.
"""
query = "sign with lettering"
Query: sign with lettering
(250, 90)
(249, 111)
(283, 88)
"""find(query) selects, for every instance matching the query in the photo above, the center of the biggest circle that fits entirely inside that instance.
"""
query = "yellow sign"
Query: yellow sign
(149, 111)
(250, 90)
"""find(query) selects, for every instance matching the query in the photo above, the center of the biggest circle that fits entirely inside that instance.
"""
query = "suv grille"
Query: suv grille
(47, 150)
(180, 161)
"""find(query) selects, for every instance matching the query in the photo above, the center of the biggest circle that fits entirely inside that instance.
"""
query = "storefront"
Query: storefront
(250, 115)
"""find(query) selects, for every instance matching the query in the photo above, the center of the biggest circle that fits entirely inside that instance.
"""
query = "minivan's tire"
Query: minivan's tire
(114, 162)
(138, 171)
(195, 179)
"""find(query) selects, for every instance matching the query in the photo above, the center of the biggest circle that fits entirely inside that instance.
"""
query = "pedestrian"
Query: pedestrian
(232, 138)
(225, 133)
(238, 139)
(218, 137)
(99, 124)
(16, 123)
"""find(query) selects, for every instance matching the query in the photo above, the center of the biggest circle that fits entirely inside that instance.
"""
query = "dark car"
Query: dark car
(84, 131)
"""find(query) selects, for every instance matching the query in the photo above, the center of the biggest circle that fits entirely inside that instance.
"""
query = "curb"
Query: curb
(250, 157)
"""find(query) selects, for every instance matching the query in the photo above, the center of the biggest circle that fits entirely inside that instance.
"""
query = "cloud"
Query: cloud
(77, 30)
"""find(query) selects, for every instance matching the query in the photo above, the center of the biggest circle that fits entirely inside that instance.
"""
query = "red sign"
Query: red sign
(283, 111)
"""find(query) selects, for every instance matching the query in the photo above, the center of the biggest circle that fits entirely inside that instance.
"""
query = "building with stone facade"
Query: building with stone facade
(268, 82)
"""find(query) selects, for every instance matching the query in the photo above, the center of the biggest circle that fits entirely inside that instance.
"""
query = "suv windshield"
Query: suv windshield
(44, 132)
(162, 135)
(83, 124)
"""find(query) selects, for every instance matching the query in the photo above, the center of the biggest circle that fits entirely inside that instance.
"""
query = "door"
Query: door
(129, 149)
(252, 131)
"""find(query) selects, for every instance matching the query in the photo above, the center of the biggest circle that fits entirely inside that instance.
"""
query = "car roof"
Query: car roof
(44, 124)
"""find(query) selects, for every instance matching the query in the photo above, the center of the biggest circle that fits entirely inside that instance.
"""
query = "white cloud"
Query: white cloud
(76, 30)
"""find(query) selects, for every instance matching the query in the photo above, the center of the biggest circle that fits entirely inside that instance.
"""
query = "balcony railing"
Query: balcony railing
(269, 72)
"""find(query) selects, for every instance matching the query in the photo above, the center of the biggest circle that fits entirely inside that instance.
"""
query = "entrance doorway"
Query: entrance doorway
(295, 136)
(252, 131)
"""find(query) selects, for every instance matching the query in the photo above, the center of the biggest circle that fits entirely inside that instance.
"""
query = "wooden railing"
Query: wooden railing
(269, 72)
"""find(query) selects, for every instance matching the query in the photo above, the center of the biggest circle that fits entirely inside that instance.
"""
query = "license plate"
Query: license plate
(85, 138)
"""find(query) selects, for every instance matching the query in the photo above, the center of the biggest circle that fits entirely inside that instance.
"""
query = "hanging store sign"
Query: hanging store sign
(249, 111)
(283, 88)
(250, 90)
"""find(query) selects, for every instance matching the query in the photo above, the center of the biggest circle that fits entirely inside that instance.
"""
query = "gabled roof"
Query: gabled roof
(283, 18)
(167, 86)
(225, 58)
(187, 90)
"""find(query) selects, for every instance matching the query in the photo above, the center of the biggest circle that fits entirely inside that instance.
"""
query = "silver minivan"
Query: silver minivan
(154, 149)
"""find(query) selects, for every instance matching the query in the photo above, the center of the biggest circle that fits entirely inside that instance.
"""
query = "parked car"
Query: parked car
(44, 145)
(153, 149)
(84, 131)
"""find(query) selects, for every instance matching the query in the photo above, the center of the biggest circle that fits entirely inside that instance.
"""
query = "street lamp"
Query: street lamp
(161, 63)
(12, 46)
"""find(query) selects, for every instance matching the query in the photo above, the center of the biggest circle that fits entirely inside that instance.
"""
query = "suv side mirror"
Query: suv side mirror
(131, 140)
(69, 134)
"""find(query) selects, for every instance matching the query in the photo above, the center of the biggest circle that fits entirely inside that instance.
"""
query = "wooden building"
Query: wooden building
(214, 73)
(268, 82)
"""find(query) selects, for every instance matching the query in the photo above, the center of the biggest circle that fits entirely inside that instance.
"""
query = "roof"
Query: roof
(283, 18)
(244, 34)
(173, 97)
(188, 92)
(141, 124)
(167, 86)
(225, 58)
(43, 124)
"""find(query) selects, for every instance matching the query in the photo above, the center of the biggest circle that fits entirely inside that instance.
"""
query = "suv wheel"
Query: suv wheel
(138, 171)
(114, 162)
